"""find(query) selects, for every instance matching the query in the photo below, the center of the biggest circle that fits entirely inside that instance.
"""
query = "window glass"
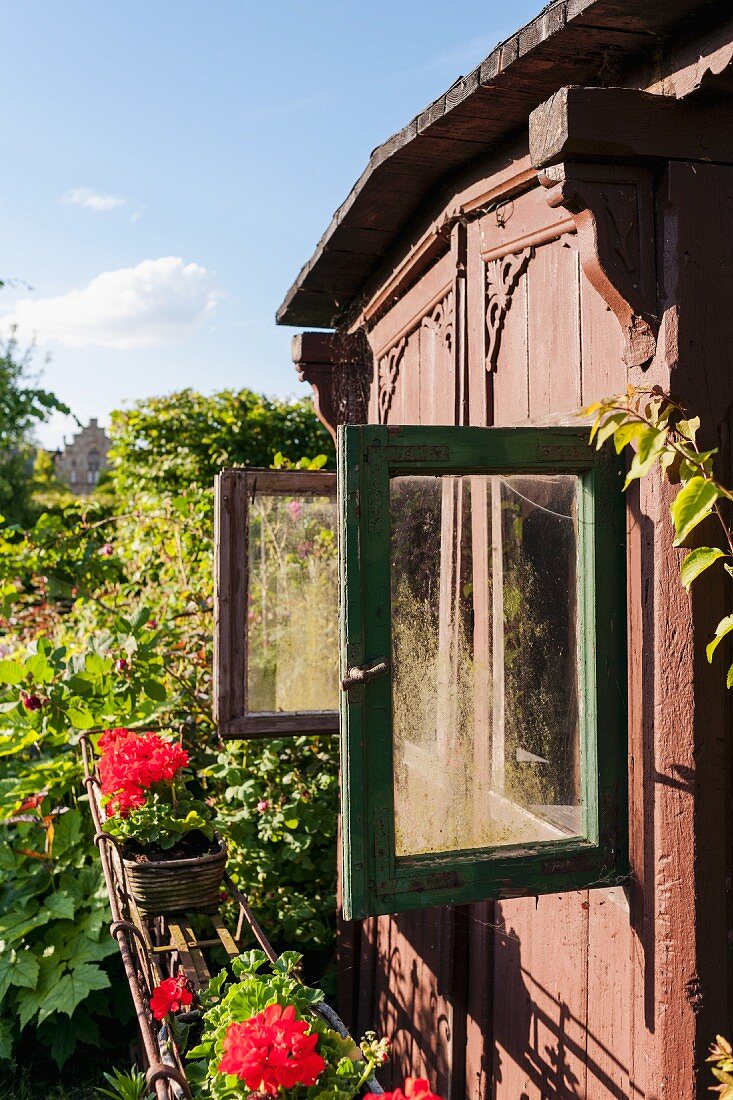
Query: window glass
(292, 611)
(485, 700)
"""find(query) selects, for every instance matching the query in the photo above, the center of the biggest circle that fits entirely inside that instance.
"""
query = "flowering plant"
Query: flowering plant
(144, 797)
(264, 1036)
(170, 995)
(416, 1088)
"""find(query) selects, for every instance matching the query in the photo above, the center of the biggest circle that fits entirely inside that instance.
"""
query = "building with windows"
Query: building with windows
(80, 463)
(554, 228)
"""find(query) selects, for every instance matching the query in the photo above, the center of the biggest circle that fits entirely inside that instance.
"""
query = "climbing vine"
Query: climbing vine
(663, 433)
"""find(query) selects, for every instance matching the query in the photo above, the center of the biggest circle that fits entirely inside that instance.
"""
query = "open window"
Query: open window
(275, 603)
(483, 665)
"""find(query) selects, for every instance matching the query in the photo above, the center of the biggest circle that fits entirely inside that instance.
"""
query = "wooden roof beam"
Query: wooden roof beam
(338, 367)
(609, 123)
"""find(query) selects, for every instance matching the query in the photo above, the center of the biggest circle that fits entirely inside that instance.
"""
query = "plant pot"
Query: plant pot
(177, 885)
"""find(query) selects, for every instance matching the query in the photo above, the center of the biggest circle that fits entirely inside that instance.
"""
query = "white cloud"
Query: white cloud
(92, 200)
(155, 302)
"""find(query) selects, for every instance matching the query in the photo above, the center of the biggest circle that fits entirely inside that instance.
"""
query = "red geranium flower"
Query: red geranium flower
(170, 995)
(130, 764)
(416, 1088)
(272, 1050)
(110, 739)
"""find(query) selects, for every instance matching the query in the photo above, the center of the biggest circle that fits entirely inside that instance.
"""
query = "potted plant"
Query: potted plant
(172, 856)
(262, 1036)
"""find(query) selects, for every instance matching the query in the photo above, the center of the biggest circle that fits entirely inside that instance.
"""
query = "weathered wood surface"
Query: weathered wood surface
(602, 994)
(233, 491)
(338, 367)
(623, 122)
(569, 42)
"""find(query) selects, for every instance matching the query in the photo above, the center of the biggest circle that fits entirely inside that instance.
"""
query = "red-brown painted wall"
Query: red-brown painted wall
(599, 994)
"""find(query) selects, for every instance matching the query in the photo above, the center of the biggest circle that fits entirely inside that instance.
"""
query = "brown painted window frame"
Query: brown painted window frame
(234, 491)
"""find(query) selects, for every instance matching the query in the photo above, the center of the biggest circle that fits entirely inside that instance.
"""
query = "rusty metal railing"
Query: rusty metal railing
(151, 948)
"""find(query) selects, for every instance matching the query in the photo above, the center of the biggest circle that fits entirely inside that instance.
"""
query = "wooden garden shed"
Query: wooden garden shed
(559, 223)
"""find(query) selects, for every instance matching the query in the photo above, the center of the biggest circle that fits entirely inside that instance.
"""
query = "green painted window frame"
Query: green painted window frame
(375, 880)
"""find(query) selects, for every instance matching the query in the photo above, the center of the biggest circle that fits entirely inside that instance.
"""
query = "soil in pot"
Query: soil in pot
(190, 846)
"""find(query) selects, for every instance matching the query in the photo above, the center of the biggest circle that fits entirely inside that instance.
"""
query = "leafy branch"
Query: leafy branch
(663, 433)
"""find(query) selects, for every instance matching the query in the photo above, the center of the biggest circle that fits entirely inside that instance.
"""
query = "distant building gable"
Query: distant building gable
(80, 463)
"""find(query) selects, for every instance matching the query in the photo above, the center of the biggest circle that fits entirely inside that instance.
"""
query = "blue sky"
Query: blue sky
(169, 166)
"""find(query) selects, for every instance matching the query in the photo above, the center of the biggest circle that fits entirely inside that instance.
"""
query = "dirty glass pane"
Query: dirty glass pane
(292, 616)
(485, 666)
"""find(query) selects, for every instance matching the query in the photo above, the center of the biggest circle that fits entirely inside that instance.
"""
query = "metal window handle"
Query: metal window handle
(361, 674)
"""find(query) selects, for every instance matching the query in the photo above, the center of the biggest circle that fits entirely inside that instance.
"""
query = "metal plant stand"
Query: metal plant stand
(153, 948)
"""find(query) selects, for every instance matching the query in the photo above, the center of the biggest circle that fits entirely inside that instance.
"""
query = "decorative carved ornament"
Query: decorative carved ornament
(339, 368)
(387, 375)
(612, 207)
(502, 277)
(441, 322)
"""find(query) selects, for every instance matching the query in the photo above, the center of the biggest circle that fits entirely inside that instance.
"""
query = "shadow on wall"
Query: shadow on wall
(548, 1066)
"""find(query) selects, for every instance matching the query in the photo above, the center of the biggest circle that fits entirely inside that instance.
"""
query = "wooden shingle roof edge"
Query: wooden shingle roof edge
(569, 42)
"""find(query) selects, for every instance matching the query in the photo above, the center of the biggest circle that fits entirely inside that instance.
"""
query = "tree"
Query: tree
(173, 443)
(22, 407)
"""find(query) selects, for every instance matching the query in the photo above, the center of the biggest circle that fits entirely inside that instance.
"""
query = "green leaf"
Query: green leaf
(689, 428)
(692, 505)
(10, 672)
(60, 905)
(155, 690)
(96, 665)
(39, 668)
(62, 1040)
(15, 927)
(80, 719)
(19, 968)
(607, 428)
(729, 678)
(723, 628)
(71, 990)
(25, 969)
(80, 685)
(31, 1002)
(626, 433)
(68, 832)
(651, 444)
(697, 561)
(140, 618)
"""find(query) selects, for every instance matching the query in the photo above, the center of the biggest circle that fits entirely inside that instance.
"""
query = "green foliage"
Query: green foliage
(721, 1055)
(664, 433)
(53, 928)
(162, 823)
(168, 444)
(129, 1085)
(345, 1072)
(278, 807)
(22, 406)
(106, 616)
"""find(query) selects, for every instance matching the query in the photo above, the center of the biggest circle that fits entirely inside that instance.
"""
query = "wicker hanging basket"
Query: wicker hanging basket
(177, 885)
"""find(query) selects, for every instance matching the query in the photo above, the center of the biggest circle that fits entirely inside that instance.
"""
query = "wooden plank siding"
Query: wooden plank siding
(599, 994)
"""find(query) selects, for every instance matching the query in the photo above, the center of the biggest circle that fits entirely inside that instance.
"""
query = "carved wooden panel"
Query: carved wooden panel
(432, 339)
(502, 276)
(612, 209)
